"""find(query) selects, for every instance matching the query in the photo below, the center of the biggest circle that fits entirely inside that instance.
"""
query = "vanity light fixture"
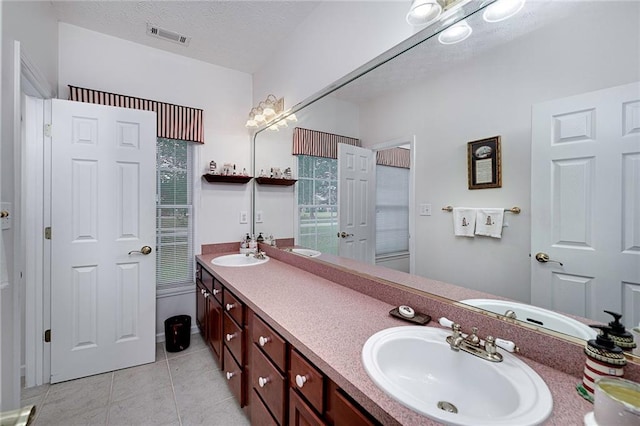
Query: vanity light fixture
(502, 9)
(269, 111)
(456, 33)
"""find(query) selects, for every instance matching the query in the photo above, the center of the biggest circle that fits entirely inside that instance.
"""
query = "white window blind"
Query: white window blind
(392, 210)
(174, 227)
(318, 203)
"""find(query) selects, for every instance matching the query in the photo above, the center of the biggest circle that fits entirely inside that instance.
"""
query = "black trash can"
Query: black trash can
(177, 331)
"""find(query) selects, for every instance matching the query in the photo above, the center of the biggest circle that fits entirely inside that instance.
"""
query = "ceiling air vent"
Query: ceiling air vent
(155, 31)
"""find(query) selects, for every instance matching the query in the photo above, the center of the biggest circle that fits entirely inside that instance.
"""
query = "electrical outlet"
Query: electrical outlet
(425, 209)
(258, 216)
(244, 217)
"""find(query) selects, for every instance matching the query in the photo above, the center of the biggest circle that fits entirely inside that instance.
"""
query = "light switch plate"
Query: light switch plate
(258, 216)
(425, 209)
(6, 221)
(244, 217)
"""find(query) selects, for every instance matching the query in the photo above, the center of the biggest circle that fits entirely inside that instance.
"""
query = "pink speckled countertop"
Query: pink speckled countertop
(329, 323)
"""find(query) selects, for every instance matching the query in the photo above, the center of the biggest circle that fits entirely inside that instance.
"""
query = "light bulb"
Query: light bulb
(259, 118)
(268, 111)
(251, 123)
(282, 123)
(502, 9)
(423, 12)
(274, 127)
(456, 33)
(292, 117)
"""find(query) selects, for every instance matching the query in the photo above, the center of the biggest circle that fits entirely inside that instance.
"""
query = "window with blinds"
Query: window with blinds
(318, 203)
(174, 223)
(392, 210)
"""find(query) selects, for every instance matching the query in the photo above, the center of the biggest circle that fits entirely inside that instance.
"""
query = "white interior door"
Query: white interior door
(585, 197)
(102, 211)
(356, 204)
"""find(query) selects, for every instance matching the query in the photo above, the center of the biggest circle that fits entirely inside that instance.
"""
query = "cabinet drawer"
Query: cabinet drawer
(269, 383)
(274, 346)
(307, 379)
(207, 279)
(232, 336)
(217, 290)
(260, 416)
(234, 375)
(233, 307)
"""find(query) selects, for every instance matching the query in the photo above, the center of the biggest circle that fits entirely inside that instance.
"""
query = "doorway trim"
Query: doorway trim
(30, 175)
(393, 143)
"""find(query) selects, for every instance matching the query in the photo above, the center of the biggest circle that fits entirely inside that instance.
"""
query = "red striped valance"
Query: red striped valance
(319, 144)
(174, 121)
(394, 157)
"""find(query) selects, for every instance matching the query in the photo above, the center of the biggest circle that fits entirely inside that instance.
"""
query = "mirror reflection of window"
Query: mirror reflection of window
(318, 203)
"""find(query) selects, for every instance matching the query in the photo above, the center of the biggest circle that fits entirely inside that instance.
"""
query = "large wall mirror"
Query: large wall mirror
(439, 97)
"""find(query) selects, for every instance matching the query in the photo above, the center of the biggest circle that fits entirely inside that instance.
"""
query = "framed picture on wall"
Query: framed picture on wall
(484, 163)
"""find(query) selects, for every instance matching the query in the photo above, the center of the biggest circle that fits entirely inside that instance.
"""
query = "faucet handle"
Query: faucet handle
(507, 345)
(445, 322)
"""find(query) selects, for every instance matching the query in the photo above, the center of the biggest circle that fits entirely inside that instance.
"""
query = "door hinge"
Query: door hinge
(47, 130)
(47, 233)
(47, 336)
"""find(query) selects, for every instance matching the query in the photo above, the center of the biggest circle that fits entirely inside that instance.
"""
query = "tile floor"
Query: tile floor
(182, 388)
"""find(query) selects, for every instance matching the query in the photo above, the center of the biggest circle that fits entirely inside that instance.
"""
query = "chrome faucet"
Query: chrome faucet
(259, 254)
(472, 344)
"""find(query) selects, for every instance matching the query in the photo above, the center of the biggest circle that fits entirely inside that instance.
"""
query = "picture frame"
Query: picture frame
(484, 163)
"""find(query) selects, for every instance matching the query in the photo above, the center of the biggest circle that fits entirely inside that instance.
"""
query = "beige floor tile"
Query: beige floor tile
(141, 379)
(28, 393)
(187, 367)
(202, 391)
(87, 393)
(146, 408)
(49, 416)
(225, 413)
(161, 354)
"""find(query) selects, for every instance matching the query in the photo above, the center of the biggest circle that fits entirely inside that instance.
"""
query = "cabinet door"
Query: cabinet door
(341, 411)
(269, 384)
(201, 309)
(214, 317)
(300, 414)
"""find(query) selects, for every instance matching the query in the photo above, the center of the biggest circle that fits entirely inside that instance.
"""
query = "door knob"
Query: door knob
(544, 258)
(144, 250)
(344, 235)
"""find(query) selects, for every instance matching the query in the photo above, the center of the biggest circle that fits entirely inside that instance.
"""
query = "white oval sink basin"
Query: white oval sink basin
(416, 366)
(536, 316)
(306, 252)
(238, 260)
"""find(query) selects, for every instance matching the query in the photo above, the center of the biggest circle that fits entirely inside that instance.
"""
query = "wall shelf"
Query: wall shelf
(275, 181)
(226, 179)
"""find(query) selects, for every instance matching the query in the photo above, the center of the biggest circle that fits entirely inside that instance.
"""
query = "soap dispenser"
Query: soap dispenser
(620, 336)
(604, 359)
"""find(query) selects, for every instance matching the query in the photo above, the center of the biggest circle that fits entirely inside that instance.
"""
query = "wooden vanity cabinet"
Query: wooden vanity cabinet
(234, 345)
(209, 311)
(268, 379)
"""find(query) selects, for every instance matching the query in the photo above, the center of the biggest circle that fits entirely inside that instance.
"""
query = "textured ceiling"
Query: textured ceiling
(235, 34)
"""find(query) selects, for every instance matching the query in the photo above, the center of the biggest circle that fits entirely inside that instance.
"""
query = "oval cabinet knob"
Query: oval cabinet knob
(230, 375)
(216, 291)
(263, 340)
(262, 381)
(300, 380)
(230, 306)
(230, 337)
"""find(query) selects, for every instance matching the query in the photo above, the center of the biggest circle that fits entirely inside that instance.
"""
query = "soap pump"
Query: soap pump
(620, 336)
(604, 359)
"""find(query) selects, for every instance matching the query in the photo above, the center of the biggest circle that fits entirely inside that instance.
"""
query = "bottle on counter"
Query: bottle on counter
(604, 359)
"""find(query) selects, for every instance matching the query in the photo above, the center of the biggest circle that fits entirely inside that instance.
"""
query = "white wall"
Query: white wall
(34, 25)
(337, 38)
(273, 149)
(93, 60)
(488, 97)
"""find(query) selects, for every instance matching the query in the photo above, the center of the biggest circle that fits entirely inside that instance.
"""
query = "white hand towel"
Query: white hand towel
(464, 221)
(489, 222)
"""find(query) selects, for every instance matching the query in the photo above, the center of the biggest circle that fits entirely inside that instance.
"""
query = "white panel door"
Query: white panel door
(102, 213)
(356, 203)
(585, 197)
